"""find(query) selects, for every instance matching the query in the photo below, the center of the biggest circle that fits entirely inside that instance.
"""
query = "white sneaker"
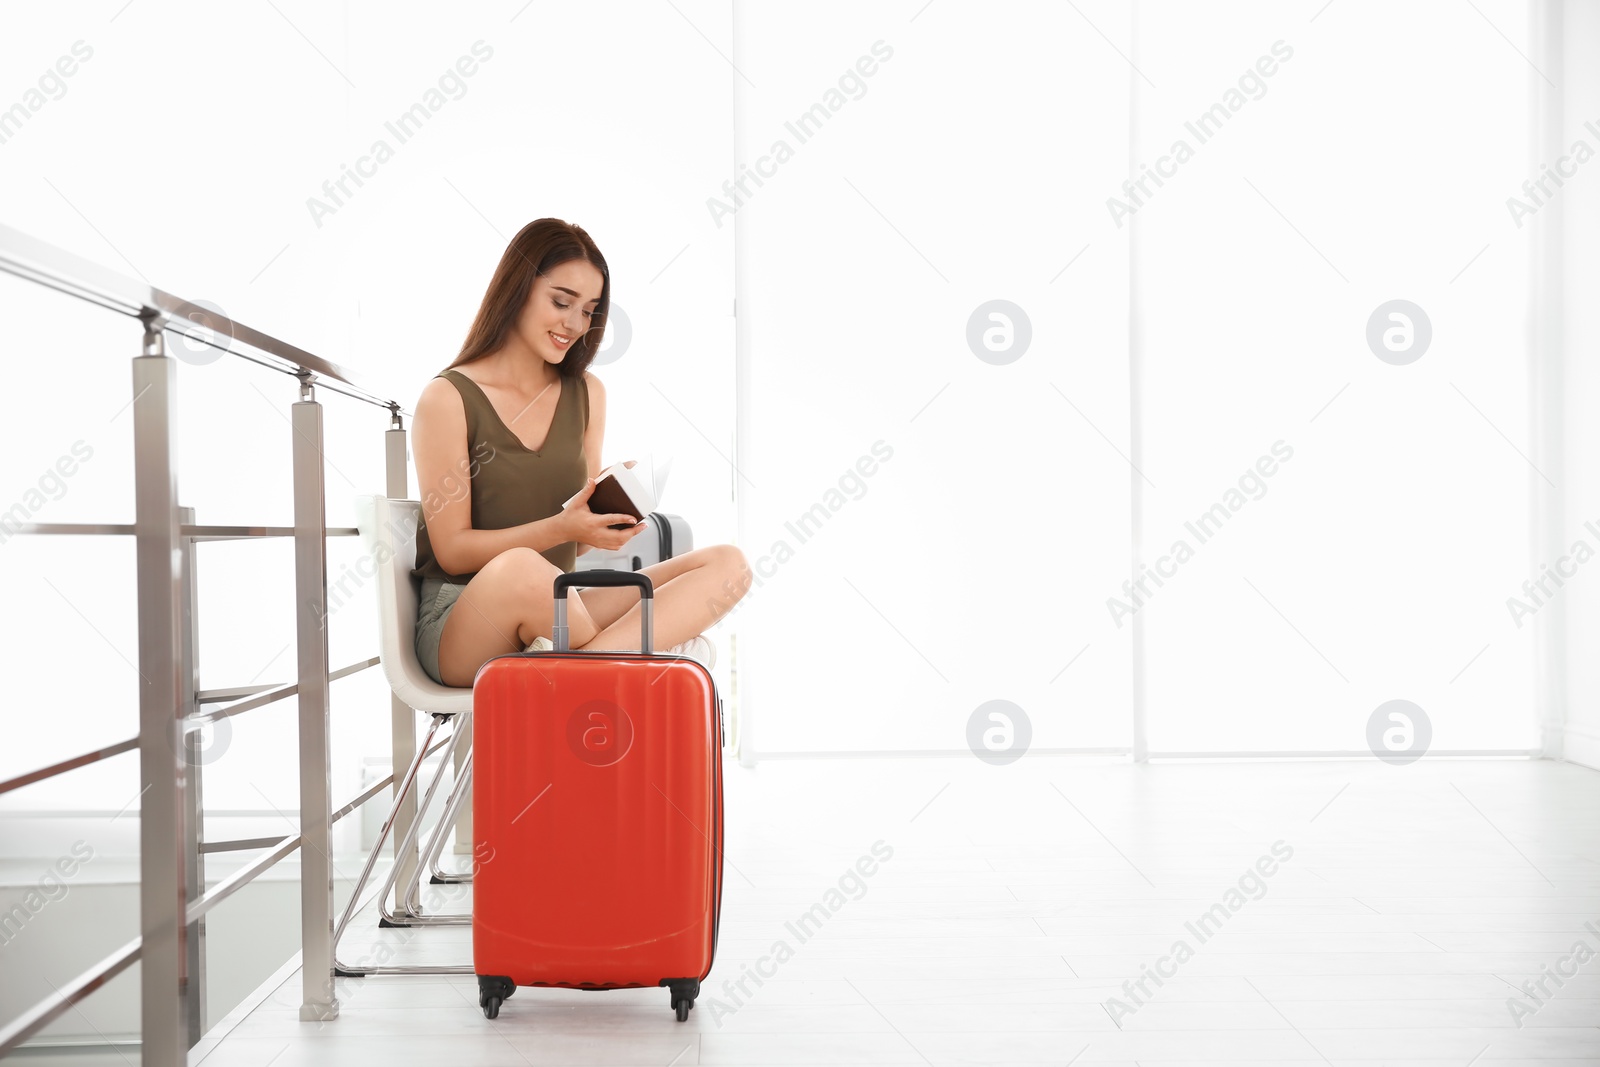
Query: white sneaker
(696, 648)
(540, 644)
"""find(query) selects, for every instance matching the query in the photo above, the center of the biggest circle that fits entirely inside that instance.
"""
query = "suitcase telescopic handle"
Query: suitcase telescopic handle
(603, 577)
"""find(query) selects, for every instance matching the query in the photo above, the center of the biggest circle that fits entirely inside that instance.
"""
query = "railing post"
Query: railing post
(163, 899)
(311, 638)
(403, 719)
(194, 863)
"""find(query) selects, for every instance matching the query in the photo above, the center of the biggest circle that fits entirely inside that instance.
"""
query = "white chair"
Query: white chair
(389, 528)
(388, 533)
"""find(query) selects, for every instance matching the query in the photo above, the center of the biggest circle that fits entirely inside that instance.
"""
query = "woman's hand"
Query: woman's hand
(594, 530)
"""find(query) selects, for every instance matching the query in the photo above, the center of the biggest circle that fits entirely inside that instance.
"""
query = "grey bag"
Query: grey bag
(665, 537)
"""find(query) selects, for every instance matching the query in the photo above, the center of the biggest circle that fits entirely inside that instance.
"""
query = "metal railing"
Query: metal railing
(173, 897)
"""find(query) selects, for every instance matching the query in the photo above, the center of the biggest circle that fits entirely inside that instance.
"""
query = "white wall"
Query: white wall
(932, 188)
(1573, 702)
(932, 524)
(1374, 562)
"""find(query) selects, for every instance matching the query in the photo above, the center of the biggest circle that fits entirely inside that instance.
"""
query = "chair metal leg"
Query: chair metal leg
(388, 824)
(439, 876)
(460, 797)
(385, 916)
(344, 970)
(408, 909)
(414, 915)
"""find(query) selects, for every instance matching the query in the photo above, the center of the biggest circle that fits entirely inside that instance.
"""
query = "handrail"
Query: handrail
(230, 692)
(173, 900)
(45, 1012)
(241, 878)
(56, 268)
(268, 694)
(277, 692)
(198, 532)
(240, 844)
(69, 765)
(281, 847)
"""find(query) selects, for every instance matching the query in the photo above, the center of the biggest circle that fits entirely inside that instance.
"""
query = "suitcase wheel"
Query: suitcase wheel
(493, 992)
(683, 990)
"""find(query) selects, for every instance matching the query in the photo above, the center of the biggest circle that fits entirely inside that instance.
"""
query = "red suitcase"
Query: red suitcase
(596, 814)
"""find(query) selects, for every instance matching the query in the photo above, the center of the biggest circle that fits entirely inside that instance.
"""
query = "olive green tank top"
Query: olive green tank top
(511, 483)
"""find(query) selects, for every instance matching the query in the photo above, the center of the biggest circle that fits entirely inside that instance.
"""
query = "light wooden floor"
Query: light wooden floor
(1019, 899)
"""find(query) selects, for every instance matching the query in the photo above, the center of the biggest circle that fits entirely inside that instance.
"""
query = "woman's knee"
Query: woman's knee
(520, 566)
(535, 579)
(730, 562)
(525, 577)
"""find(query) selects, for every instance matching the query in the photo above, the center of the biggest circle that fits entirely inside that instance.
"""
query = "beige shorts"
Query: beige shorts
(438, 596)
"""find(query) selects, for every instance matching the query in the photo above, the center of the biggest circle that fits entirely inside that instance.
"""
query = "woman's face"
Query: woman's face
(559, 309)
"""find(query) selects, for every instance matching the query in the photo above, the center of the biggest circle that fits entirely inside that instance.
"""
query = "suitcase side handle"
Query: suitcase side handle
(603, 577)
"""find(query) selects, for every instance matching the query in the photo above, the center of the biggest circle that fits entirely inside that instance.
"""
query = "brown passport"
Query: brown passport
(618, 491)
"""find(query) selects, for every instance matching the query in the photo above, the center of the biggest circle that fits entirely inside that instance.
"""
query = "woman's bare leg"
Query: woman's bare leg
(607, 604)
(702, 586)
(501, 610)
(508, 603)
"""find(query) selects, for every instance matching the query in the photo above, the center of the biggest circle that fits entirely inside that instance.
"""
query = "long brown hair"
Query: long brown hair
(539, 247)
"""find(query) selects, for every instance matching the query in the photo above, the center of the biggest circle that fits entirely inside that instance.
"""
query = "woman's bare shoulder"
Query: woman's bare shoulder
(440, 397)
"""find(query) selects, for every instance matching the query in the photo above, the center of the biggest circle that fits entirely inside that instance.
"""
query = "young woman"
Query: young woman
(502, 438)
